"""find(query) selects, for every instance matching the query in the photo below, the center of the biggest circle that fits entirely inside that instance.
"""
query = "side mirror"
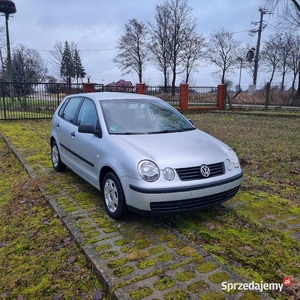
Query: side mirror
(191, 121)
(89, 128)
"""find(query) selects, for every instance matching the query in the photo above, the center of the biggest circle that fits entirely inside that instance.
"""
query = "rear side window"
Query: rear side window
(69, 109)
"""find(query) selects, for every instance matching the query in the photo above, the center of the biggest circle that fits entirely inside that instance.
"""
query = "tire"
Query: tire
(58, 165)
(113, 196)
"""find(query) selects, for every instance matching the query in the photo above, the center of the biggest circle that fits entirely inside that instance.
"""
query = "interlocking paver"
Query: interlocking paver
(139, 258)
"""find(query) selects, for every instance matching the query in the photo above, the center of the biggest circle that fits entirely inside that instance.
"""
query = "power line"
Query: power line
(274, 28)
(85, 50)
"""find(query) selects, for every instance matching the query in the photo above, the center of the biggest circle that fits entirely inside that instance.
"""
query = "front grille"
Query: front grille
(194, 173)
(189, 204)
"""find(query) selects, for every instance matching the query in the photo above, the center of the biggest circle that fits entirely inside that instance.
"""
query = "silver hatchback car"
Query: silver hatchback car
(142, 154)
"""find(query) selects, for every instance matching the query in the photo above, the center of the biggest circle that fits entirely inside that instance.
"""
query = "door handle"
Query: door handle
(57, 125)
(73, 134)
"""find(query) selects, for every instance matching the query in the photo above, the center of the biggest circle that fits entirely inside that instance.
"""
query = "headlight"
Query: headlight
(148, 170)
(228, 164)
(233, 158)
(168, 173)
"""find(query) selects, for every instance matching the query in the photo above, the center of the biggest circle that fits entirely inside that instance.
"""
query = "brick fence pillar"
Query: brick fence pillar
(88, 87)
(140, 88)
(221, 96)
(184, 96)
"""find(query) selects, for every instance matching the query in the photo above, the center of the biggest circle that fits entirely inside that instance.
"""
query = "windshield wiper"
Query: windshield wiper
(170, 131)
(127, 133)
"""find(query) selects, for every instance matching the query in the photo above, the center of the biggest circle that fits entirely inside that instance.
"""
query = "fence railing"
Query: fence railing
(203, 96)
(39, 100)
(34, 100)
(164, 93)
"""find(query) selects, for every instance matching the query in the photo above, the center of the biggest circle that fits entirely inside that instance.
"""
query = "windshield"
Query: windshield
(145, 116)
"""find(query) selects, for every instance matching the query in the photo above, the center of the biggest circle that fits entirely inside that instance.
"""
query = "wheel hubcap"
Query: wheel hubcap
(111, 195)
(55, 156)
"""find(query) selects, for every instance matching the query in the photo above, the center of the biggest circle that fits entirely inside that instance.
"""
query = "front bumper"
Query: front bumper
(177, 199)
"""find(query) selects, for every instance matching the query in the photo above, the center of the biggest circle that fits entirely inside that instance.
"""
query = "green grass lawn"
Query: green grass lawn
(38, 259)
(256, 234)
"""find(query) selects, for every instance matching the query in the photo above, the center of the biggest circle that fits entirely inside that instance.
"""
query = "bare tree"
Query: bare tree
(28, 69)
(295, 59)
(170, 35)
(193, 53)
(182, 26)
(223, 51)
(159, 41)
(271, 53)
(286, 43)
(288, 9)
(132, 49)
(290, 13)
(27, 65)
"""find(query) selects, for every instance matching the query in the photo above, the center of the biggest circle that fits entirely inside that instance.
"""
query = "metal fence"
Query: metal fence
(165, 93)
(197, 96)
(203, 96)
(34, 100)
(39, 100)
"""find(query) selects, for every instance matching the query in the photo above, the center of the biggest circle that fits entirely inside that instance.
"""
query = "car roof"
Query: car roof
(98, 96)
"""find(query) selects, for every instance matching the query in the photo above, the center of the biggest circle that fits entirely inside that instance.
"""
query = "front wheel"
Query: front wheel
(113, 196)
(58, 165)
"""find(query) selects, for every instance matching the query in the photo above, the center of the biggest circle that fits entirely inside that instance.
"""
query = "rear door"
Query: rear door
(86, 146)
(66, 127)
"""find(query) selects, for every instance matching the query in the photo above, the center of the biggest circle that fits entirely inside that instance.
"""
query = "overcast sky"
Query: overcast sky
(96, 25)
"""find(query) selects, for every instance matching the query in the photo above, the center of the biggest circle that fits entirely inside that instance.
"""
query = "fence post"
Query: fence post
(3, 98)
(184, 96)
(221, 96)
(88, 87)
(140, 88)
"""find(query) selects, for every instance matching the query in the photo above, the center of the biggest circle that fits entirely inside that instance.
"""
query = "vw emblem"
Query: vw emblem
(205, 171)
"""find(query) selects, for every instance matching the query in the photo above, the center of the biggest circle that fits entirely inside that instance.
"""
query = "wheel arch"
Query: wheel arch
(103, 172)
(52, 139)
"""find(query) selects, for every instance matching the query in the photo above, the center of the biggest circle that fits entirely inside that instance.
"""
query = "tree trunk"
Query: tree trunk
(140, 73)
(268, 87)
(296, 97)
(229, 101)
(298, 89)
(173, 82)
(165, 80)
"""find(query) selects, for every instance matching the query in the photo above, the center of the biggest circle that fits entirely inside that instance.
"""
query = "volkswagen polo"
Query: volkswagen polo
(142, 154)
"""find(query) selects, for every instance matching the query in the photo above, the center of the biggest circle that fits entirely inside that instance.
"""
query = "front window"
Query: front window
(145, 116)
(88, 114)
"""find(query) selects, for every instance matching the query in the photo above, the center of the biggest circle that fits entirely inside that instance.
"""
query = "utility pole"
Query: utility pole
(262, 12)
(259, 30)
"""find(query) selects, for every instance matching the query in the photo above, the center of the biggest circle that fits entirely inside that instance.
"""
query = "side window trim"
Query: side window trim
(62, 110)
(97, 125)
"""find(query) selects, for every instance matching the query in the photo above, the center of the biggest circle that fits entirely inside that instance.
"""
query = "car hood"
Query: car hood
(181, 149)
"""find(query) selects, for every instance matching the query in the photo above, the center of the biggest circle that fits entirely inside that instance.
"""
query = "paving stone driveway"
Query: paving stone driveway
(139, 258)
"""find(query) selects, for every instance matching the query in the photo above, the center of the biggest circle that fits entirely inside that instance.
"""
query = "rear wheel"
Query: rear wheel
(58, 165)
(113, 196)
